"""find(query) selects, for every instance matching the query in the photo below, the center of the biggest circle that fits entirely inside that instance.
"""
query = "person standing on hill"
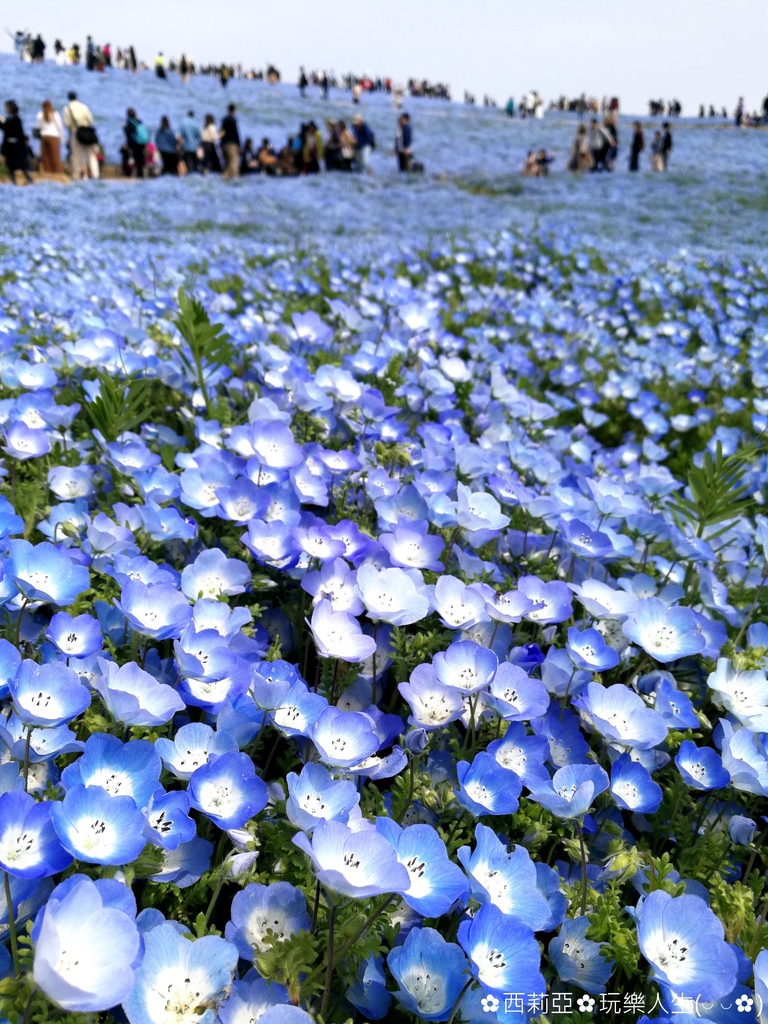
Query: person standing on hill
(90, 54)
(666, 145)
(403, 142)
(160, 65)
(364, 144)
(230, 143)
(51, 133)
(638, 145)
(82, 139)
(190, 138)
(133, 64)
(167, 147)
(136, 137)
(14, 145)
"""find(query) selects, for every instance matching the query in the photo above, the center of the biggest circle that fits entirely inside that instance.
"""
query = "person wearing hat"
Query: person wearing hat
(364, 145)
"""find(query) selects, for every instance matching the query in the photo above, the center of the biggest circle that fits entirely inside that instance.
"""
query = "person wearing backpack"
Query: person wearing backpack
(83, 141)
(136, 137)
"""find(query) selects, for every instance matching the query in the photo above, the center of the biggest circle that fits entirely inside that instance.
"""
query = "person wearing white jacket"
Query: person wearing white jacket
(50, 131)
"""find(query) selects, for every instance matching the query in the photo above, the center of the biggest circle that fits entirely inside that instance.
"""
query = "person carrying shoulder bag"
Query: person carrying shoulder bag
(83, 140)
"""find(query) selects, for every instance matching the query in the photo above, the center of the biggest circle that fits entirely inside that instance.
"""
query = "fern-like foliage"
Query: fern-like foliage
(210, 348)
(718, 494)
(121, 405)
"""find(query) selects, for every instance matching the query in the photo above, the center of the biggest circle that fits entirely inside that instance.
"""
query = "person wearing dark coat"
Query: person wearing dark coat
(638, 145)
(15, 145)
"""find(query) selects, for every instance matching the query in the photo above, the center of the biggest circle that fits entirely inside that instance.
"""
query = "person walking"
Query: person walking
(14, 146)
(230, 143)
(638, 145)
(190, 138)
(209, 138)
(167, 147)
(364, 145)
(403, 142)
(666, 145)
(599, 142)
(136, 138)
(50, 131)
(83, 141)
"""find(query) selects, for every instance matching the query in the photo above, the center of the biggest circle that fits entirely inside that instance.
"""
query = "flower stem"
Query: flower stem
(26, 757)
(459, 997)
(12, 925)
(583, 850)
(330, 964)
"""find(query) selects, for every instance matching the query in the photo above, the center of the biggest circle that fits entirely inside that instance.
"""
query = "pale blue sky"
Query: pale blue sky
(698, 50)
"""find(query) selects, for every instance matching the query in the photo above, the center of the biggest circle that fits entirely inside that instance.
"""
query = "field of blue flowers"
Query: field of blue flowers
(384, 623)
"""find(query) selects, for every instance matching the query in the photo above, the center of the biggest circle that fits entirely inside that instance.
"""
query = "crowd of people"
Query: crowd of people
(193, 146)
(595, 148)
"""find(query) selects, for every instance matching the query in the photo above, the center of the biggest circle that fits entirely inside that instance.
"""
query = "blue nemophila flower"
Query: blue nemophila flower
(587, 649)
(122, 769)
(701, 767)
(478, 510)
(354, 863)
(510, 606)
(98, 828)
(250, 998)
(666, 633)
(674, 706)
(683, 942)
(344, 738)
(487, 788)
(186, 864)
(168, 823)
(368, 992)
(193, 745)
(465, 666)
(180, 980)
(84, 949)
(551, 602)
(741, 829)
(505, 878)
(338, 635)
(459, 606)
(271, 443)
(29, 846)
(258, 910)
(74, 637)
(410, 547)
(315, 796)
(430, 973)
(633, 788)
(393, 595)
(44, 573)
(503, 953)
(47, 695)
(285, 1015)
(584, 540)
(744, 694)
(620, 715)
(135, 697)
(516, 696)
(745, 759)
(271, 682)
(227, 790)
(432, 704)
(522, 754)
(579, 960)
(436, 882)
(158, 611)
(23, 442)
(212, 575)
(571, 791)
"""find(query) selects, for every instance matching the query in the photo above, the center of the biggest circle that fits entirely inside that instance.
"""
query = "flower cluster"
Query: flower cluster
(383, 638)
